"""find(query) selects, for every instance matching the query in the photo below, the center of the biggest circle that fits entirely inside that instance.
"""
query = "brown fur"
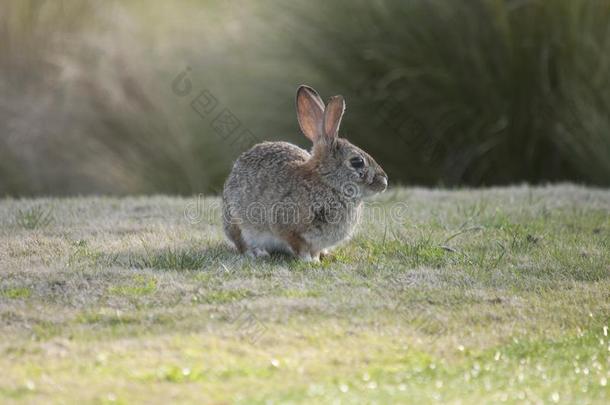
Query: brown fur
(296, 242)
(277, 180)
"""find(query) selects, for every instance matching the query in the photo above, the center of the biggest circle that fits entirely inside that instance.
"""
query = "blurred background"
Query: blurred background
(151, 96)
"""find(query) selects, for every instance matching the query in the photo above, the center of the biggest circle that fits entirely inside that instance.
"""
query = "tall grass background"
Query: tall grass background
(473, 92)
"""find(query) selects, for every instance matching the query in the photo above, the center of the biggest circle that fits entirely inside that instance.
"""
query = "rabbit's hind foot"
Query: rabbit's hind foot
(257, 253)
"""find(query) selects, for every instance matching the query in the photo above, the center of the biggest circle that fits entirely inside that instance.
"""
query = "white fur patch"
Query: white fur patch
(265, 241)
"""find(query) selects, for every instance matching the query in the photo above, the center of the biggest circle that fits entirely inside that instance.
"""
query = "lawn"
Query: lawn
(471, 296)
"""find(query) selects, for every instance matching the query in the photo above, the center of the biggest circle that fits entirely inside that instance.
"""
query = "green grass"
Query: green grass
(440, 92)
(466, 91)
(18, 292)
(34, 217)
(140, 286)
(471, 296)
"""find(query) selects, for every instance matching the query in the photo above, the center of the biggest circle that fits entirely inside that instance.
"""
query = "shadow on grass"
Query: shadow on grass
(218, 254)
(173, 257)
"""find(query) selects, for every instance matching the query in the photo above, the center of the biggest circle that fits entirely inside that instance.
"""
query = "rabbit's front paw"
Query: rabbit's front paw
(324, 253)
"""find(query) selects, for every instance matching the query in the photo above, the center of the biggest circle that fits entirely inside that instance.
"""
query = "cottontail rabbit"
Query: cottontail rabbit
(279, 197)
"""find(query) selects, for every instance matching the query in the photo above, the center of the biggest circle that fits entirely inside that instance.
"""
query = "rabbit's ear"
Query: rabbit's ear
(310, 112)
(332, 117)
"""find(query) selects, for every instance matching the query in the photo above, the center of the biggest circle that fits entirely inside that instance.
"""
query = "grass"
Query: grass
(95, 99)
(471, 296)
(34, 217)
(460, 86)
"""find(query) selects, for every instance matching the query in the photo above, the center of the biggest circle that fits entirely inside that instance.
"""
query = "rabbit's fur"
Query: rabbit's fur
(280, 197)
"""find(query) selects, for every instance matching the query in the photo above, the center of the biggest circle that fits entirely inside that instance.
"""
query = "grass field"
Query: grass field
(471, 296)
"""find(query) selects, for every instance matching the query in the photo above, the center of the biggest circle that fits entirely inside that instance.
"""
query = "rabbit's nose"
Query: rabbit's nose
(384, 181)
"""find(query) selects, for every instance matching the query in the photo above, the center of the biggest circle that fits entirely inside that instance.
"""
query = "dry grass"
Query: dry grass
(478, 295)
(446, 92)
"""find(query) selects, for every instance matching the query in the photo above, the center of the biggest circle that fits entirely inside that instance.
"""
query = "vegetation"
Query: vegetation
(498, 295)
(451, 92)
(477, 92)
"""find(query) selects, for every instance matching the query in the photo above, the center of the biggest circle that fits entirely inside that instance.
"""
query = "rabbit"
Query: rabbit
(281, 198)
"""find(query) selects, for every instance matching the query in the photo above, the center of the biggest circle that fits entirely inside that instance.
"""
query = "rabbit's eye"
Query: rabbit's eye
(357, 162)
